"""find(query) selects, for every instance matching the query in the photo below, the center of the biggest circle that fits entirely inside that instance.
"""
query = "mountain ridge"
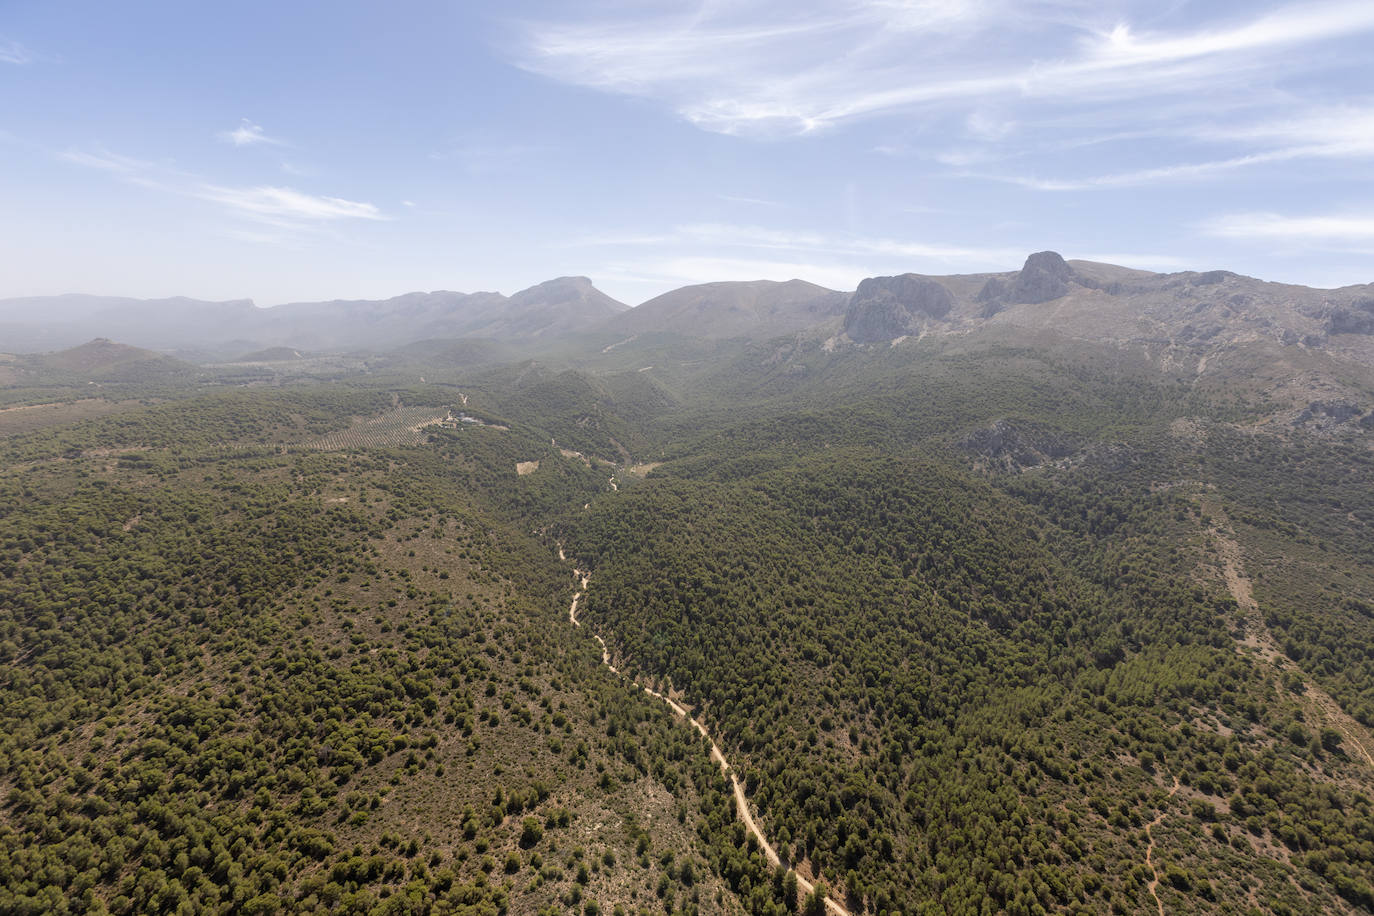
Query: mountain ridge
(46, 323)
(1179, 315)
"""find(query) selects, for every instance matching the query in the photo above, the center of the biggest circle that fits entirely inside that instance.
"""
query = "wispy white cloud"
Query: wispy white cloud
(279, 207)
(1180, 171)
(134, 171)
(704, 252)
(249, 134)
(482, 154)
(272, 203)
(668, 271)
(727, 236)
(754, 66)
(1141, 261)
(1329, 131)
(1334, 133)
(813, 243)
(1046, 88)
(1297, 23)
(12, 52)
(755, 201)
(106, 161)
(1327, 229)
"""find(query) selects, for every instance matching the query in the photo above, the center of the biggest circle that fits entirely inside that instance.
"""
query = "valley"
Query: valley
(994, 593)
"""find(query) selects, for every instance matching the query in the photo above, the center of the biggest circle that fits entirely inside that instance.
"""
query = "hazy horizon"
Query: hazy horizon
(311, 153)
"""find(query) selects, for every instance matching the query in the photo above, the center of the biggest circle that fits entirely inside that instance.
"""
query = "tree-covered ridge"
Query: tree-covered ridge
(973, 692)
(260, 681)
(957, 617)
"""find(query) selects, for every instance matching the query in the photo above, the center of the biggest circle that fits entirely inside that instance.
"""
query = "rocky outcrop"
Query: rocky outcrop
(1045, 276)
(1212, 277)
(1328, 414)
(1013, 445)
(1358, 318)
(992, 297)
(884, 308)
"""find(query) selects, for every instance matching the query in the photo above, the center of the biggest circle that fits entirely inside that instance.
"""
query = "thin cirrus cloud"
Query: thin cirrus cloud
(1320, 229)
(12, 52)
(705, 252)
(286, 204)
(249, 134)
(731, 68)
(669, 270)
(279, 207)
(967, 84)
(709, 252)
(1179, 171)
(1333, 133)
(699, 236)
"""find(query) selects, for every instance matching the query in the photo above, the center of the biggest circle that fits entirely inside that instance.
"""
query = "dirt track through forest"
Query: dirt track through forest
(746, 816)
(1259, 639)
(1153, 886)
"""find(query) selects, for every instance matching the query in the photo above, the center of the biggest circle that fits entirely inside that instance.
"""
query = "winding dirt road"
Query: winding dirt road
(1153, 886)
(741, 802)
(1260, 640)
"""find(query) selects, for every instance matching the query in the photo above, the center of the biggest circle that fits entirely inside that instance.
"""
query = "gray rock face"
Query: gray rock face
(1013, 445)
(1358, 319)
(1045, 276)
(887, 307)
(1212, 277)
(1328, 414)
(992, 297)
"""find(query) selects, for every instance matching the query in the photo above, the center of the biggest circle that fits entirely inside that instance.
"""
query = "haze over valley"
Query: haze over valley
(936, 475)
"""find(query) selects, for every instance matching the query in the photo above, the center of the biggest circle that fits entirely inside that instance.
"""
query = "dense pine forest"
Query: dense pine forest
(980, 627)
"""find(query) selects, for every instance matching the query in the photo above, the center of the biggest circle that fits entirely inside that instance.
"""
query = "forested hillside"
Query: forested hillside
(969, 627)
(980, 628)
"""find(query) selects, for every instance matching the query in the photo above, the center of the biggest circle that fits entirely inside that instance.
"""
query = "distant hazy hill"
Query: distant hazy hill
(272, 355)
(757, 308)
(445, 353)
(45, 323)
(1174, 318)
(551, 308)
(555, 307)
(103, 360)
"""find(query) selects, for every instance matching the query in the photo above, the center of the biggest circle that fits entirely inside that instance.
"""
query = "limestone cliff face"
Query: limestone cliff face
(884, 308)
(1044, 277)
(1358, 318)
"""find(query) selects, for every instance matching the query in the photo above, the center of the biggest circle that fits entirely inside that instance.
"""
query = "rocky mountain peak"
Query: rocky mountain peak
(883, 308)
(1044, 276)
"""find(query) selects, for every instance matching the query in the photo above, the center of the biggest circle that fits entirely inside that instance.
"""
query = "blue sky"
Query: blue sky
(308, 150)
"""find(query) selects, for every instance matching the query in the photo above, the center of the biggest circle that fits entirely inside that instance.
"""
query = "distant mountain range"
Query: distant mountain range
(552, 308)
(1183, 313)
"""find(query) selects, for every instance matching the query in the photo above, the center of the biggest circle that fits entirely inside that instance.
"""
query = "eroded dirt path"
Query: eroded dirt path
(742, 808)
(1153, 886)
(1259, 640)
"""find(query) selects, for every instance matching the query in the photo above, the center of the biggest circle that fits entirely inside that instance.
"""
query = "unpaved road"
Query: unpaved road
(1259, 640)
(1150, 851)
(741, 802)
